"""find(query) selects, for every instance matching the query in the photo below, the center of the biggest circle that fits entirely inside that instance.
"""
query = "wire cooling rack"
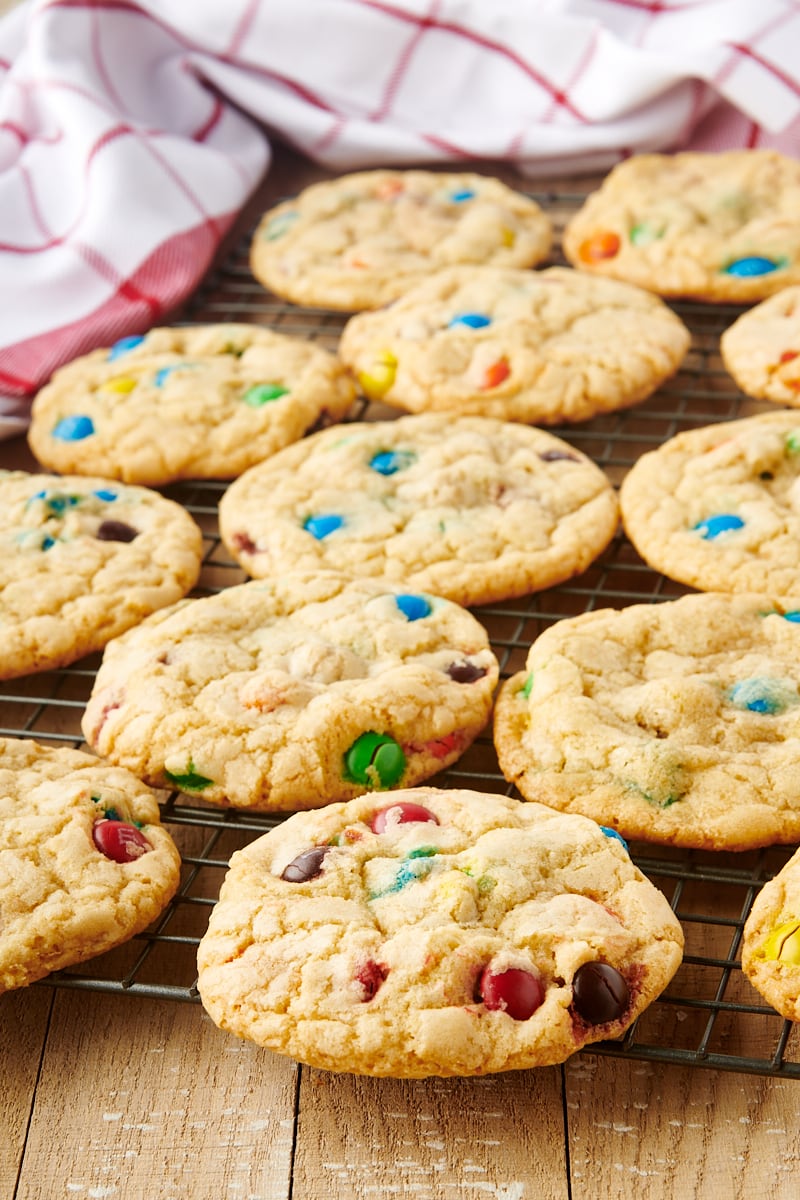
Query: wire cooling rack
(710, 1015)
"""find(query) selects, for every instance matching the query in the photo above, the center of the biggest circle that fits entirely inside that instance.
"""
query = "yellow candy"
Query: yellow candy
(377, 381)
(783, 944)
(508, 235)
(120, 383)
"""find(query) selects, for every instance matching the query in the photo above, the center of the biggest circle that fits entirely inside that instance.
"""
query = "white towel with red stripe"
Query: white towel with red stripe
(132, 131)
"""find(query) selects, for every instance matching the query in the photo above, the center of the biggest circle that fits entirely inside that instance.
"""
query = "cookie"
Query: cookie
(543, 347)
(81, 560)
(675, 722)
(712, 226)
(771, 943)
(717, 507)
(293, 692)
(470, 508)
(434, 932)
(203, 402)
(761, 349)
(361, 240)
(84, 862)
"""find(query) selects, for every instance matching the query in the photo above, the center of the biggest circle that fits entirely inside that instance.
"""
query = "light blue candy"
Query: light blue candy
(763, 695)
(413, 607)
(471, 320)
(461, 195)
(753, 264)
(74, 429)
(712, 527)
(160, 376)
(319, 527)
(124, 345)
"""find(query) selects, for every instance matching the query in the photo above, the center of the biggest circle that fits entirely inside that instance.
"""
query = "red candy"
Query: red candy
(517, 992)
(120, 841)
(371, 975)
(399, 814)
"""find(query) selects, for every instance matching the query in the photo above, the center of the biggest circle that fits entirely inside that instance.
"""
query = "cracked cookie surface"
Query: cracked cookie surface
(361, 240)
(468, 507)
(84, 861)
(434, 932)
(718, 507)
(673, 722)
(533, 346)
(82, 560)
(716, 227)
(292, 692)
(185, 402)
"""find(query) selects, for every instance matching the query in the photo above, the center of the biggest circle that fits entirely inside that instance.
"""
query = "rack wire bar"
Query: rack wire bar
(709, 1016)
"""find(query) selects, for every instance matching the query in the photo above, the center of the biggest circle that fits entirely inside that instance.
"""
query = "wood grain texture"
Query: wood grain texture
(643, 1129)
(23, 1029)
(149, 1101)
(500, 1136)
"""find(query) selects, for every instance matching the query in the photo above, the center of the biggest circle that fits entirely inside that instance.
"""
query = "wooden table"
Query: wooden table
(115, 1095)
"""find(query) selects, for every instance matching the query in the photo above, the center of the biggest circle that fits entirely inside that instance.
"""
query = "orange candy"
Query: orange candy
(599, 246)
(495, 374)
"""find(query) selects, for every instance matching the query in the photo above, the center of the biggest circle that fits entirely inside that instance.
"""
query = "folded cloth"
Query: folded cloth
(133, 131)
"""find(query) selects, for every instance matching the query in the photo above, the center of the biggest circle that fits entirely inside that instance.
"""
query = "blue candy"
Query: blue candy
(124, 345)
(461, 195)
(753, 264)
(794, 616)
(763, 695)
(105, 494)
(471, 320)
(413, 607)
(612, 833)
(74, 429)
(319, 527)
(713, 526)
(160, 376)
(389, 462)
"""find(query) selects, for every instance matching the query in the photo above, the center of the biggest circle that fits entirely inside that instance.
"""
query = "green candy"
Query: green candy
(783, 944)
(191, 781)
(374, 759)
(264, 393)
(793, 441)
(527, 686)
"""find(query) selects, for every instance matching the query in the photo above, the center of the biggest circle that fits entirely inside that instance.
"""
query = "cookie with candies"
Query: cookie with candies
(716, 507)
(361, 240)
(673, 723)
(718, 227)
(81, 560)
(84, 861)
(295, 691)
(761, 349)
(541, 347)
(771, 945)
(467, 507)
(185, 402)
(434, 932)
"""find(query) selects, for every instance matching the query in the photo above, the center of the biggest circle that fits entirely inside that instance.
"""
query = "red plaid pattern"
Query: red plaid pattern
(132, 131)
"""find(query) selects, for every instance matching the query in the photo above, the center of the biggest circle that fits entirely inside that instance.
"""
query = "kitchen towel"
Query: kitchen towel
(133, 131)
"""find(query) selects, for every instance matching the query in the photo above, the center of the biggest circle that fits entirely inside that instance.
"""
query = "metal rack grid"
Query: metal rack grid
(709, 1015)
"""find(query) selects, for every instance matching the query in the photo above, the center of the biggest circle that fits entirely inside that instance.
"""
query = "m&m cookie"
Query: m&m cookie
(82, 560)
(434, 932)
(712, 226)
(717, 507)
(293, 692)
(534, 346)
(202, 402)
(771, 944)
(362, 239)
(470, 508)
(673, 723)
(761, 349)
(84, 861)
